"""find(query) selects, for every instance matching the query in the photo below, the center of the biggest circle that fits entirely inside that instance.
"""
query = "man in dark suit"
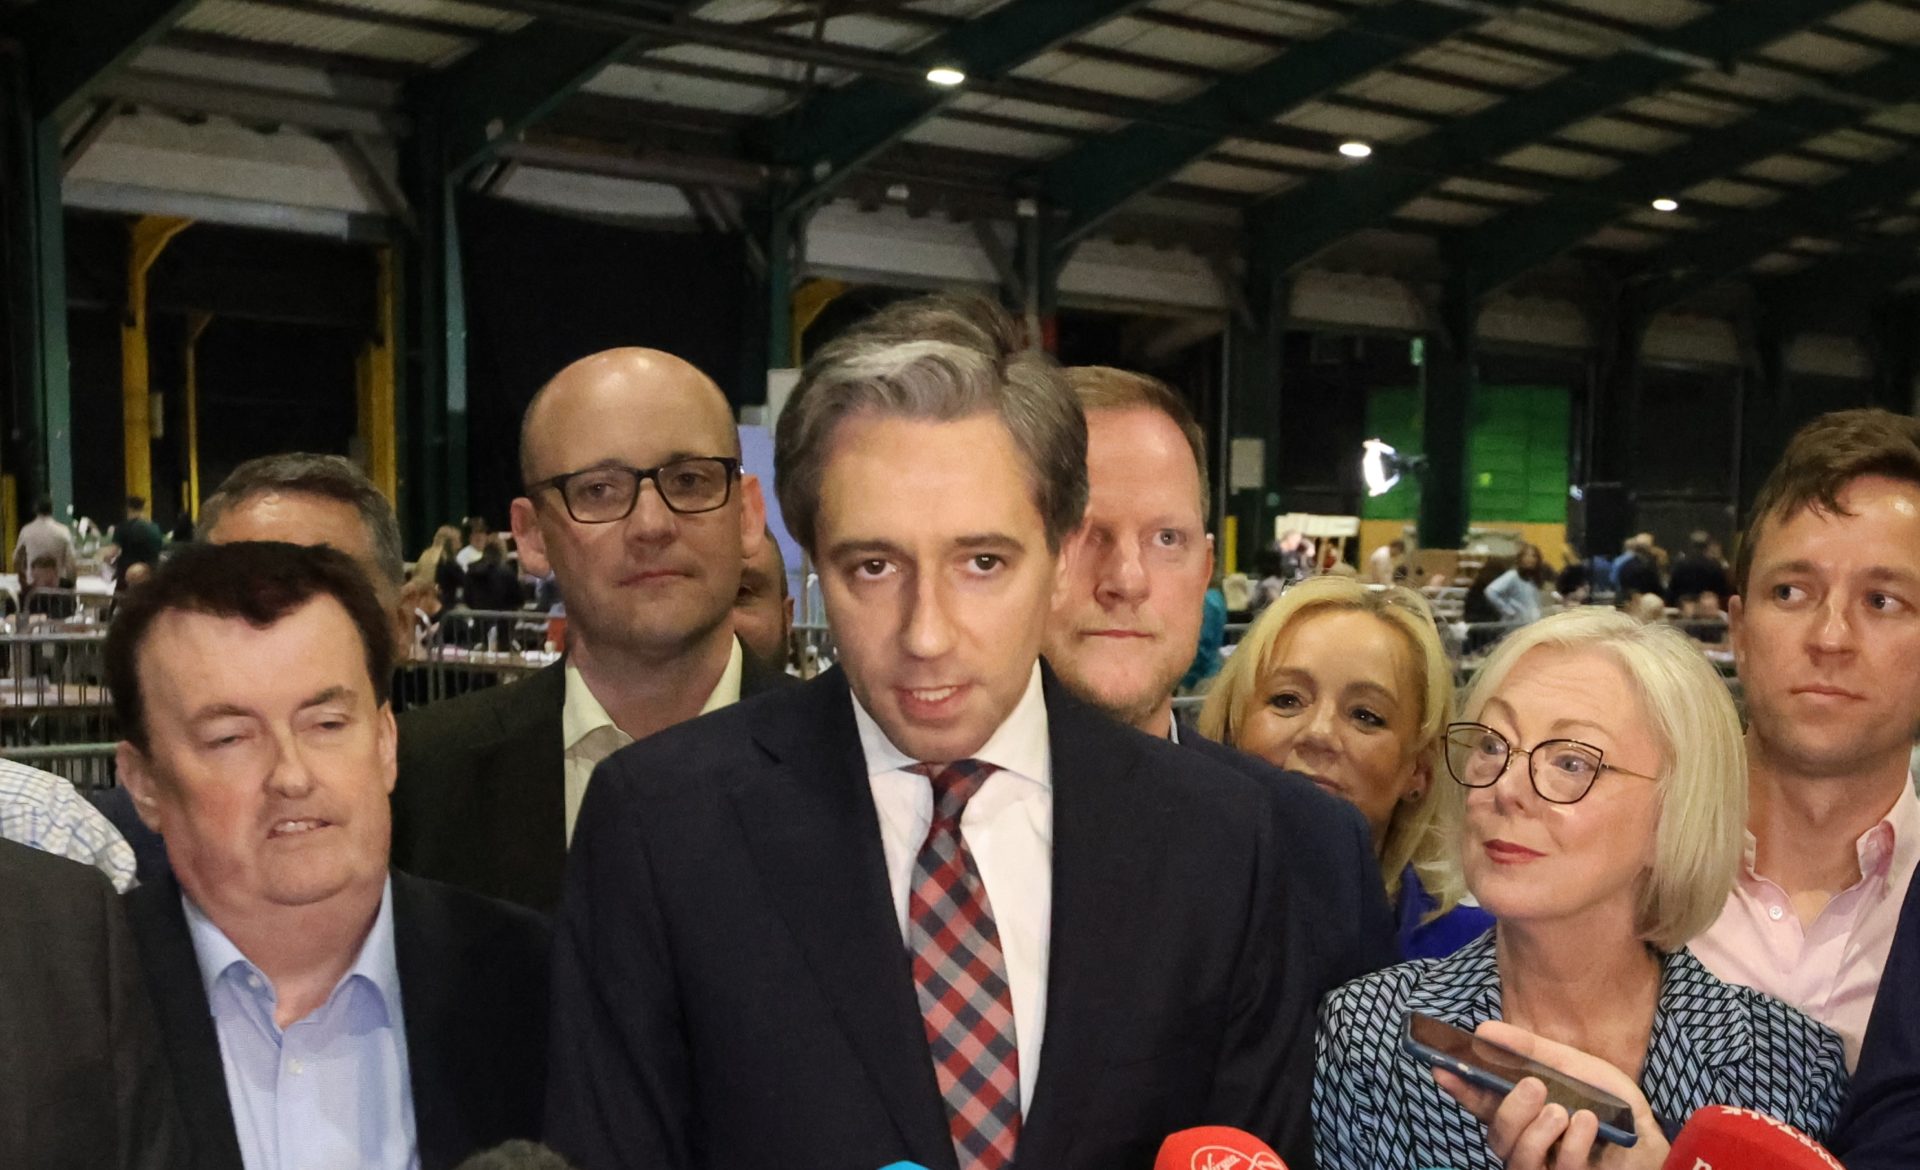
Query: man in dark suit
(636, 504)
(927, 906)
(83, 1084)
(1125, 630)
(317, 1008)
(1880, 1129)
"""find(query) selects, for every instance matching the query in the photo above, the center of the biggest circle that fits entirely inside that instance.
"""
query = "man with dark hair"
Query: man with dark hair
(927, 906)
(319, 1008)
(83, 1082)
(43, 536)
(1825, 629)
(134, 541)
(300, 498)
(636, 503)
(477, 533)
(1699, 572)
(763, 609)
(304, 498)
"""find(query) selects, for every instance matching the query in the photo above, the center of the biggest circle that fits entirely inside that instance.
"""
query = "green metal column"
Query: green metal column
(1255, 342)
(422, 269)
(453, 300)
(1446, 407)
(38, 275)
(1620, 329)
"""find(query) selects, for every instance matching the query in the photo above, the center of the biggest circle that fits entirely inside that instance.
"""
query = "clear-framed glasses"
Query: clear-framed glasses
(602, 495)
(1562, 770)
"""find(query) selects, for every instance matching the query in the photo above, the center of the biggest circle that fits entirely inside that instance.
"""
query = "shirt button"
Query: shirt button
(295, 1067)
(1776, 913)
(253, 981)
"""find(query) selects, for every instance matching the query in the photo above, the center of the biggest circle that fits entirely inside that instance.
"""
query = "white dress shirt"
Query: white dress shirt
(590, 734)
(1008, 828)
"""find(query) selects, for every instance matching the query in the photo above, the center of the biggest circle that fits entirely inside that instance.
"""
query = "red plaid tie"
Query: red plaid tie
(961, 977)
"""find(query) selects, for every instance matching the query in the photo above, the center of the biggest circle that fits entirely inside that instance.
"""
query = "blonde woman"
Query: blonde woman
(1603, 785)
(1349, 686)
(439, 564)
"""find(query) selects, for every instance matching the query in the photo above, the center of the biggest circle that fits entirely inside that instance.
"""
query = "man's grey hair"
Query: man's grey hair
(332, 477)
(940, 359)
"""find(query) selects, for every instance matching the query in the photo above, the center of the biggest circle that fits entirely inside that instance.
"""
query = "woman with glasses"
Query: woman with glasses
(1600, 785)
(1349, 685)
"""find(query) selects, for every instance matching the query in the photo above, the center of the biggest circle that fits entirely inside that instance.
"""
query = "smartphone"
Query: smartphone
(1490, 1066)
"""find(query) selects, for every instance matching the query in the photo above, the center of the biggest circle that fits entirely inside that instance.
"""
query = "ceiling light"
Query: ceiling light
(946, 75)
(1665, 204)
(1355, 149)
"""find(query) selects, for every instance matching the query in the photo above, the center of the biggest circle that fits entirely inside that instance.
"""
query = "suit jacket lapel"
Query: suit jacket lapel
(527, 755)
(815, 835)
(1105, 851)
(441, 1037)
(180, 1002)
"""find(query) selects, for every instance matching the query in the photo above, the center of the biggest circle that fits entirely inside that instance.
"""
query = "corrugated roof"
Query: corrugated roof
(1168, 79)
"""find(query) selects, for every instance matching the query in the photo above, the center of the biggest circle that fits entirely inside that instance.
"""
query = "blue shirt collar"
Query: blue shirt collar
(375, 965)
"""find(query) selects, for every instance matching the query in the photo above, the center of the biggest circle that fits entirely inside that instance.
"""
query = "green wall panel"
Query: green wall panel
(1516, 452)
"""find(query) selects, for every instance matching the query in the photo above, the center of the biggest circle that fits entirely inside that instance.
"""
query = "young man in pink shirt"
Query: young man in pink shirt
(1826, 634)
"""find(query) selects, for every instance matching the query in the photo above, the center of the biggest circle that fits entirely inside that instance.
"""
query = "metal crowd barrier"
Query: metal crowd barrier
(85, 765)
(55, 712)
(467, 649)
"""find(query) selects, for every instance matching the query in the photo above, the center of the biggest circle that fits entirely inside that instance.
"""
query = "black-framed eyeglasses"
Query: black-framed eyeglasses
(602, 495)
(1562, 771)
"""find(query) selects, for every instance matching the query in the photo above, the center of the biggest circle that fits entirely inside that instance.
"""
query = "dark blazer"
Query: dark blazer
(1880, 1129)
(83, 1082)
(473, 986)
(481, 798)
(731, 987)
(1345, 926)
(1338, 925)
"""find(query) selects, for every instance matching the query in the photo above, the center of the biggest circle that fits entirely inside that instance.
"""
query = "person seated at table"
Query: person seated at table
(1349, 686)
(1600, 804)
(41, 594)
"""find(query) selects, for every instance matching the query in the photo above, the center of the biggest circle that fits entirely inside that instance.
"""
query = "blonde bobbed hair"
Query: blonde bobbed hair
(1702, 776)
(1415, 835)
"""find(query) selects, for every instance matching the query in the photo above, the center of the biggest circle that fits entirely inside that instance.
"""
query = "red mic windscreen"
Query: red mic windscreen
(1216, 1147)
(1722, 1138)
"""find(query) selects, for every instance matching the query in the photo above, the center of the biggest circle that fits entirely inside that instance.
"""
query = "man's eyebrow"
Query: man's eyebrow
(330, 695)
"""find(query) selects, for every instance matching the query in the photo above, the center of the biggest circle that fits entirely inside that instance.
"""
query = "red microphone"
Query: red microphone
(1216, 1147)
(1722, 1138)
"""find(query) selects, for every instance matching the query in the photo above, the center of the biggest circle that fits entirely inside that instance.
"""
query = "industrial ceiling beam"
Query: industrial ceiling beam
(73, 47)
(509, 82)
(1093, 181)
(1693, 263)
(1298, 223)
(832, 134)
(1496, 252)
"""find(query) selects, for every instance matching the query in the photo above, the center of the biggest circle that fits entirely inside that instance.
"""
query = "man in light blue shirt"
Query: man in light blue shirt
(320, 1010)
(347, 1058)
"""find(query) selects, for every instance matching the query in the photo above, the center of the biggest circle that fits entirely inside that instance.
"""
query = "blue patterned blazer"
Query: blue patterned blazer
(1713, 1043)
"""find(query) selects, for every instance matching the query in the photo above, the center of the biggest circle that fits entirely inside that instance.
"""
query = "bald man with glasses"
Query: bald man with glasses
(636, 502)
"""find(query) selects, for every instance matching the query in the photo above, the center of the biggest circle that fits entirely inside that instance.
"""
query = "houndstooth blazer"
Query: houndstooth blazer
(1713, 1043)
